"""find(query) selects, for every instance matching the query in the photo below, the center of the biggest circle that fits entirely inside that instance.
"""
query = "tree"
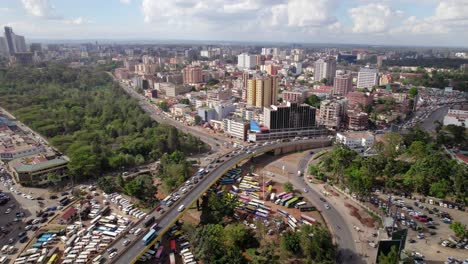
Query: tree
(141, 187)
(390, 258)
(291, 242)
(184, 101)
(198, 120)
(459, 229)
(412, 92)
(288, 187)
(313, 100)
(107, 184)
(316, 244)
(164, 106)
(53, 178)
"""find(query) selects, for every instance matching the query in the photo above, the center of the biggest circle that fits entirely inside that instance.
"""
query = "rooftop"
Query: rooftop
(36, 163)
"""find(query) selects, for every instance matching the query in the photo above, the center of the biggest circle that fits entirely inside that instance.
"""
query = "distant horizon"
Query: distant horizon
(405, 23)
(143, 41)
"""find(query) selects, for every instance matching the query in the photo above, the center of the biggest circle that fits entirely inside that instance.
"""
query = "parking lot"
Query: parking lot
(428, 224)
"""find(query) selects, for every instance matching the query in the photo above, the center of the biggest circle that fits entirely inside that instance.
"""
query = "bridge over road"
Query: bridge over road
(131, 253)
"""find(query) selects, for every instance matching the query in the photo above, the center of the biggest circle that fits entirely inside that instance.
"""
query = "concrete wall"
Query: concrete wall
(301, 147)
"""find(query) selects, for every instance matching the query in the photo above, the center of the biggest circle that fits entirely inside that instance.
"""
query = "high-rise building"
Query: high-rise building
(20, 44)
(192, 75)
(246, 61)
(325, 69)
(358, 99)
(3, 46)
(289, 116)
(357, 120)
(10, 38)
(15, 43)
(367, 78)
(331, 113)
(386, 79)
(262, 91)
(342, 84)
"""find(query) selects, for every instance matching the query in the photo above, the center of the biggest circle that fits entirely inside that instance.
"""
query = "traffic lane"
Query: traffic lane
(133, 250)
(337, 225)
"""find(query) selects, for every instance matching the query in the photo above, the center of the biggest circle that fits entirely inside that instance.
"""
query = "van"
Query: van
(138, 231)
(181, 208)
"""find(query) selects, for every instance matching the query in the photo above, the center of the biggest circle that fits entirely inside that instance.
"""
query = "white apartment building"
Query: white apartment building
(236, 128)
(367, 78)
(246, 61)
(458, 117)
(325, 69)
(358, 141)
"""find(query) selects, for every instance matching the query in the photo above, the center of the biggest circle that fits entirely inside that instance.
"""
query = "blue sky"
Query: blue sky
(390, 22)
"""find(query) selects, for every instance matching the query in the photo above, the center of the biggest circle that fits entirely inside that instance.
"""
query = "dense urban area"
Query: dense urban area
(232, 153)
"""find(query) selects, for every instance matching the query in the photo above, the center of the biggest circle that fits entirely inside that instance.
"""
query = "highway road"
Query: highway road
(215, 141)
(128, 255)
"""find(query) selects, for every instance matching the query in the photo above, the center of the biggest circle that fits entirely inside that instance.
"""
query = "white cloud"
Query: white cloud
(450, 16)
(310, 13)
(39, 8)
(373, 18)
(125, 1)
(78, 21)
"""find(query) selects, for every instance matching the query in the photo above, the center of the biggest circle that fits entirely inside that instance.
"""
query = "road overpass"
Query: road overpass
(165, 221)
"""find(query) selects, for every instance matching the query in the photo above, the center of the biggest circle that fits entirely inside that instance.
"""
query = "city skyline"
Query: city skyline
(401, 22)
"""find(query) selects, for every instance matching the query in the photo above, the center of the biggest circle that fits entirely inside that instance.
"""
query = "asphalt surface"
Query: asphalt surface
(213, 140)
(335, 221)
(132, 251)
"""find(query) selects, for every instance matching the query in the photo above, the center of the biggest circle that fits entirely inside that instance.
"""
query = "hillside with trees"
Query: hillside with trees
(86, 115)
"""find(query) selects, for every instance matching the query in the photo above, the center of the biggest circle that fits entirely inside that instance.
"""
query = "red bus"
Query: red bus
(173, 245)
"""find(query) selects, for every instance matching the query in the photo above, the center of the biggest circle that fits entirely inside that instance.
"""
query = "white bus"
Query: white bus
(97, 259)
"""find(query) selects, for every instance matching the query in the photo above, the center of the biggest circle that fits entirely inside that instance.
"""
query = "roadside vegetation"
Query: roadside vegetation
(411, 163)
(221, 238)
(90, 118)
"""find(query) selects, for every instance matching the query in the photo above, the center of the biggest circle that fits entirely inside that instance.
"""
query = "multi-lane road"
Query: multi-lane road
(128, 254)
(215, 141)
(131, 253)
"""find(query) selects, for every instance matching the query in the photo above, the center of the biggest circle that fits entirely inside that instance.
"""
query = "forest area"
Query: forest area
(87, 116)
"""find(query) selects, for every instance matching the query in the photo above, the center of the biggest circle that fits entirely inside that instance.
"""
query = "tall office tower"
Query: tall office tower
(245, 80)
(20, 44)
(367, 77)
(267, 51)
(246, 61)
(3, 46)
(192, 75)
(342, 84)
(325, 69)
(9, 35)
(289, 116)
(262, 91)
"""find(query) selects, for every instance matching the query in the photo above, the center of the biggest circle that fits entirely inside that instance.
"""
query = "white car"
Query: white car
(112, 254)
(327, 207)
(126, 242)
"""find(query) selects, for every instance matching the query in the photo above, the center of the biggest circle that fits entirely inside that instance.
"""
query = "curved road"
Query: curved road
(215, 141)
(131, 253)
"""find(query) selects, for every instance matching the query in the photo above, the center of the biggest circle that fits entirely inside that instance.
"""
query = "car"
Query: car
(34, 228)
(35, 221)
(327, 207)
(126, 242)
(181, 208)
(111, 250)
(421, 236)
(39, 198)
(323, 199)
(53, 197)
(111, 255)
(11, 241)
(412, 240)
(22, 234)
(305, 190)
(23, 239)
(64, 193)
(27, 227)
(8, 211)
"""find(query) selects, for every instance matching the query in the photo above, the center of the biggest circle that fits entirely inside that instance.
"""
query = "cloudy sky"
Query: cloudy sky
(391, 22)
